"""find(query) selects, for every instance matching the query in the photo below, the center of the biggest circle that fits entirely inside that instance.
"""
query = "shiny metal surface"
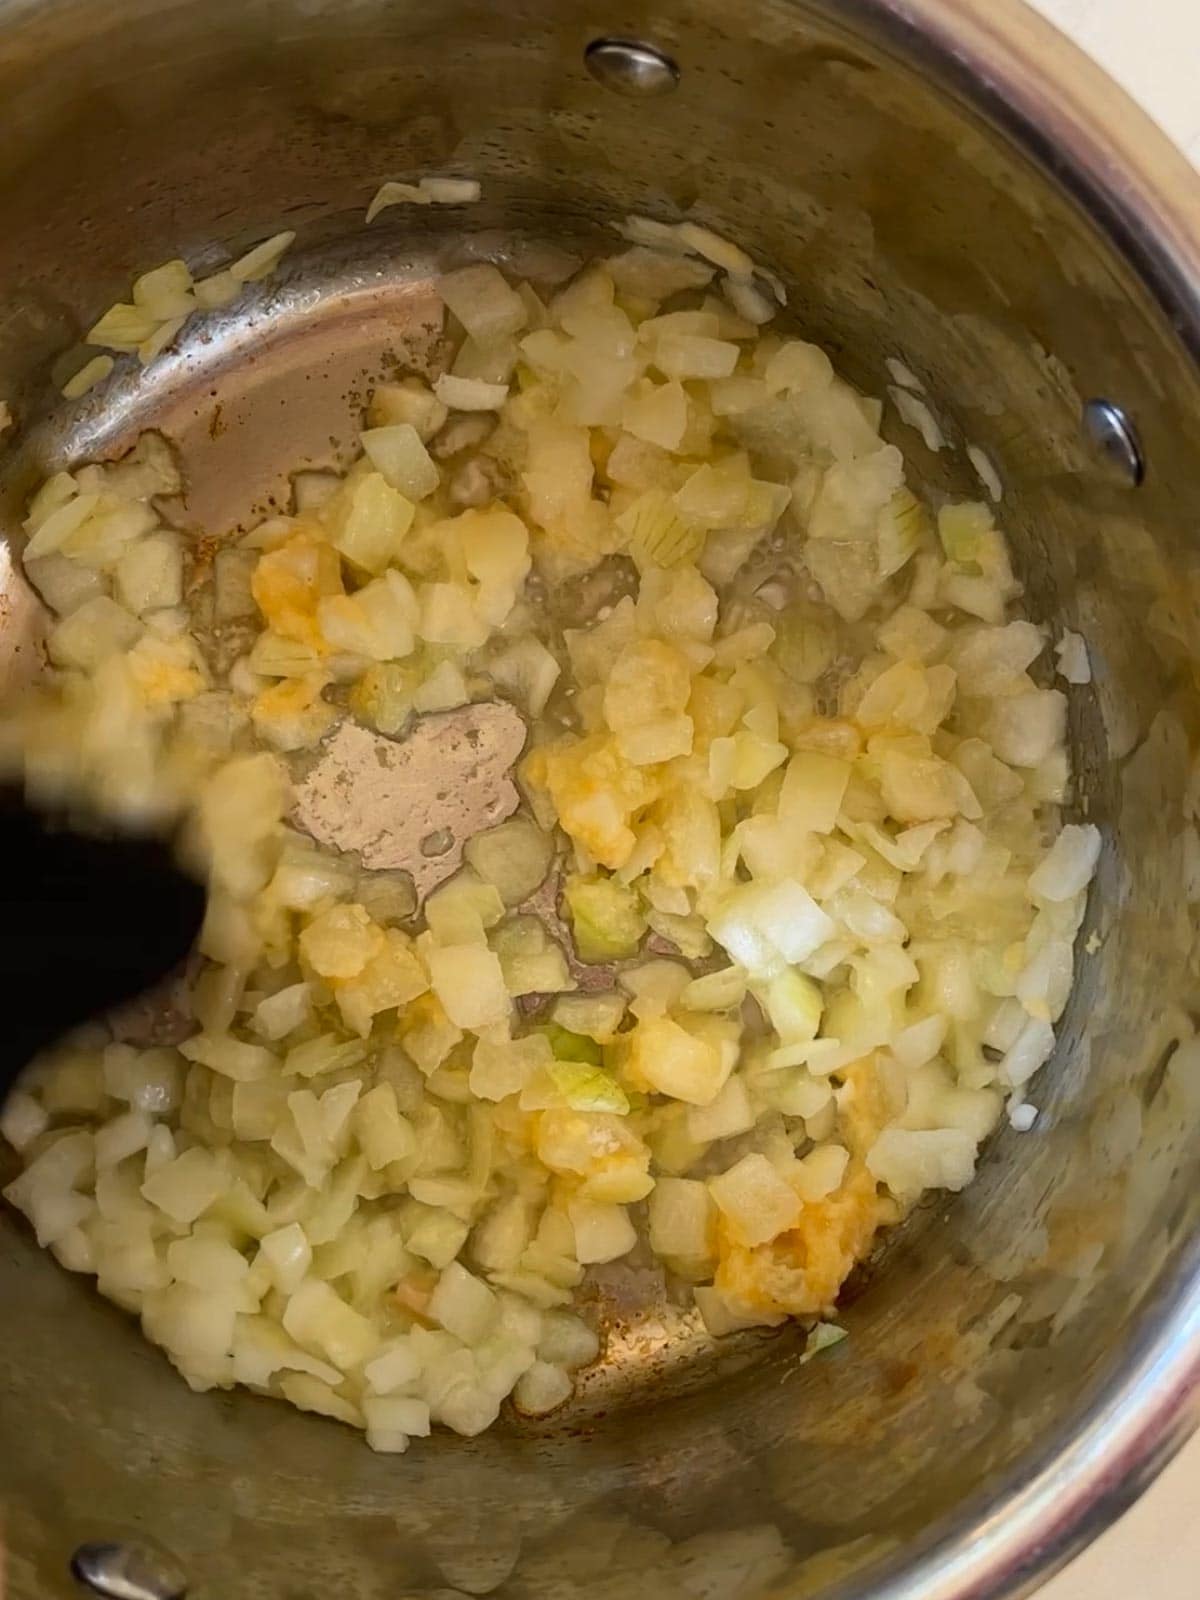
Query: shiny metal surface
(128, 1571)
(630, 67)
(1115, 440)
(945, 181)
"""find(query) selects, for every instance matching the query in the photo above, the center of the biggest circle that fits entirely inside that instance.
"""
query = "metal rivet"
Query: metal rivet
(1114, 438)
(129, 1570)
(631, 68)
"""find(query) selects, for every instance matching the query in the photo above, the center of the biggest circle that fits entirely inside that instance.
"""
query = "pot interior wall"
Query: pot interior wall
(903, 226)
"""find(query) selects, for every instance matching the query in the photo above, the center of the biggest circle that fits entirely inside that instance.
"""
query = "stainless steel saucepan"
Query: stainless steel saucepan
(943, 181)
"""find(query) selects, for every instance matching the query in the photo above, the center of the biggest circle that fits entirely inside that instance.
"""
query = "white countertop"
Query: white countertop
(1152, 48)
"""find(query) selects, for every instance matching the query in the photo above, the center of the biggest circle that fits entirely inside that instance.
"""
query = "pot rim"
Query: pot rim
(1094, 143)
(1062, 110)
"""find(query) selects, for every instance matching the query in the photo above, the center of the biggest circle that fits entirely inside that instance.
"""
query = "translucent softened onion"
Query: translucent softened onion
(805, 834)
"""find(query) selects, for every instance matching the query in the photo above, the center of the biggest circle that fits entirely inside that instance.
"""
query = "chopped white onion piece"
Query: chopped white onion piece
(425, 192)
(260, 262)
(1067, 868)
(1030, 1050)
(316, 1316)
(909, 1161)
(755, 1201)
(986, 472)
(765, 927)
(918, 415)
(464, 1305)
(541, 1389)
(89, 375)
(22, 1120)
(470, 394)
(1073, 663)
(602, 1232)
(399, 453)
(483, 302)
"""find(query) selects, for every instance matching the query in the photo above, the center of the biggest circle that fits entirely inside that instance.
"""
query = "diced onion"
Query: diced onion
(463, 1305)
(764, 927)
(89, 375)
(1073, 663)
(602, 1232)
(814, 918)
(398, 452)
(260, 262)
(755, 1201)
(541, 1390)
(482, 301)
(470, 394)
(426, 192)
(908, 1161)
(1068, 867)
(918, 415)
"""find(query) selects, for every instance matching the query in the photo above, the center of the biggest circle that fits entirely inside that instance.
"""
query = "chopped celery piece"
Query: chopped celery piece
(606, 918)
(823, 1337)
(568, 1046)
(588, 1088)
(657, 534)
(901, 527)
(962, 530)
(794, 1004)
